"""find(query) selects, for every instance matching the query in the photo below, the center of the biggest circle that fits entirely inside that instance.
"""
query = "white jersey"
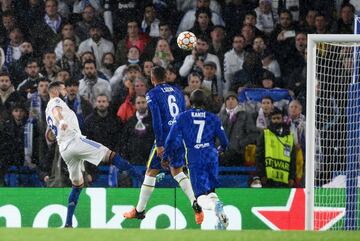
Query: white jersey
(73, 129)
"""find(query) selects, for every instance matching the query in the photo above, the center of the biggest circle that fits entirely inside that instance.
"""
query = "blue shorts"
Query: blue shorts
(177, 160)
(204, 170)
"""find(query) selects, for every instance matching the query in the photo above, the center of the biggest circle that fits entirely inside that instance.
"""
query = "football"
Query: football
(186, 40)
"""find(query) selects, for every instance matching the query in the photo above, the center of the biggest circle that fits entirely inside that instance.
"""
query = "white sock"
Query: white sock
(213, 197)
(185, 184)
(145, 192)
(205, 202)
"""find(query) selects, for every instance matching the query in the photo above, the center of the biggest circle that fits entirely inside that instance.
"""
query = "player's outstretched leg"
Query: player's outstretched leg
(73, 200)
(124, 165)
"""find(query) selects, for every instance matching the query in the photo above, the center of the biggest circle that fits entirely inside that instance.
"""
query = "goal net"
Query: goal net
(333, 132)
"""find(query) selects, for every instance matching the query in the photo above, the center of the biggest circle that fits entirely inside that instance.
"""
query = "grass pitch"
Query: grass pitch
(82, 234)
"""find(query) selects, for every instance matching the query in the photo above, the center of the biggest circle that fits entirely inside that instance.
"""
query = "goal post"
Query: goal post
(332, 129)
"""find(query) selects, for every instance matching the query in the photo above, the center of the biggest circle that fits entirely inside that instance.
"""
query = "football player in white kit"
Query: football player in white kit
(76, 148)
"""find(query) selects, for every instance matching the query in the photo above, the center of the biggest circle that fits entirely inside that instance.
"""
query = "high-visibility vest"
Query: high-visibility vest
(278, 156)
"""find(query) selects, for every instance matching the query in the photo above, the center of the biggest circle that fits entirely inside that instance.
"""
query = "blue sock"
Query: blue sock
(124, 165)
(73, 200)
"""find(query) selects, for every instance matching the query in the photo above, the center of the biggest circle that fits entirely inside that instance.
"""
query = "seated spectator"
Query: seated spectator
(211, 83)
(49, 69)
(108, 63)
(266, 17)
(67, 31)
(279, 168)
(146, 70)
(240, 130)
(233, 60)
(345, 23)
(9, 96)
(321, 25)
(163, 56)
(79, 6)
(308, 25)
(96, 44)
(195, 61)
(88, 55)
(131, 72)
(91, 85)
(270, 63)
(202, 24)
(172, 77)
(81, 107)
(133, 38)
(296, 120)
(189, 18)
(12, 49)
(69, 59)
(138, 132)
(150, 24)
(251, 19)
(259, 45)
(48, 29)
(219, 45)
(266, 107)
(63, 75)
(8, 24)
(17, 69)
(29, 85)
(248, 31)
(127, 109)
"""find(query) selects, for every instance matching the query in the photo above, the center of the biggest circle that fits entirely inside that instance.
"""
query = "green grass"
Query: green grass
(29, 234)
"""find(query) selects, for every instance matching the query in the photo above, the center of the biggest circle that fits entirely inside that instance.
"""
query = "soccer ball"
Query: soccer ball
(186, 40)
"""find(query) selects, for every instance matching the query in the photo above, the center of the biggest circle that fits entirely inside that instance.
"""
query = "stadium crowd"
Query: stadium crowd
(250, 59)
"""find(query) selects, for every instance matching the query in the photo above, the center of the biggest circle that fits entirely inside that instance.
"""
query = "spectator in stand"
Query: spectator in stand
(266, 107)
(138, 132)
(79, 6)
(321, 24)
(91, 85)
(202, 24)
(276, 144)
(63, 75)
(297, 123)
(8, 24)
(308, 25)
(259, 45)
(12, 50)
(248, 31)
(345, 23)
(31, 12)
(270, 63)
(36, 125)
(128, 108)
(239, 128)
(250, 19)
(163, 56)
(133, 38)
(266, 17)
(150, 24)
(69, 59)
(211, 83)
(88, 55)
(82, 28)
(108, 63)
(146, 70)
(122, 13)
(67, 31)
(195, 61)
(172, 77)
(29, 85)
(48, 29)
(49, 69)
(219, 44)
(96, 44)
(17, 68)
(233, 60)
(9, 96)
(81, 107)
(189, 18)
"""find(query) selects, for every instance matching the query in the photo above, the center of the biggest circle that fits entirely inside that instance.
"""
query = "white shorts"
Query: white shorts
(79, 150)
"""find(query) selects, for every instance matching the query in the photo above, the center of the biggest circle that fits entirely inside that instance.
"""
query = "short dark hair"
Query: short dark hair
(55, 84)
(268, 98)
(5, 73)
(159, 73)
(276, 111)
(71, 82)
(31, 60)
(198, 98)
(90, 61)
(205, 10)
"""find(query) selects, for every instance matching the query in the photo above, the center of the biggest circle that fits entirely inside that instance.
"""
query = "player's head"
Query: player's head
(198, 98)
(57, 89)
(158, 75)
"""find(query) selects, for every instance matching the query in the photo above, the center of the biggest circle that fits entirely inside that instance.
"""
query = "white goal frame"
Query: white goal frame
(313, 39)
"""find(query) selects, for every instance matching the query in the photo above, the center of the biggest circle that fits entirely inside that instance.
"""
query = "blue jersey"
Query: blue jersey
(198, 128)
(165, 102)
